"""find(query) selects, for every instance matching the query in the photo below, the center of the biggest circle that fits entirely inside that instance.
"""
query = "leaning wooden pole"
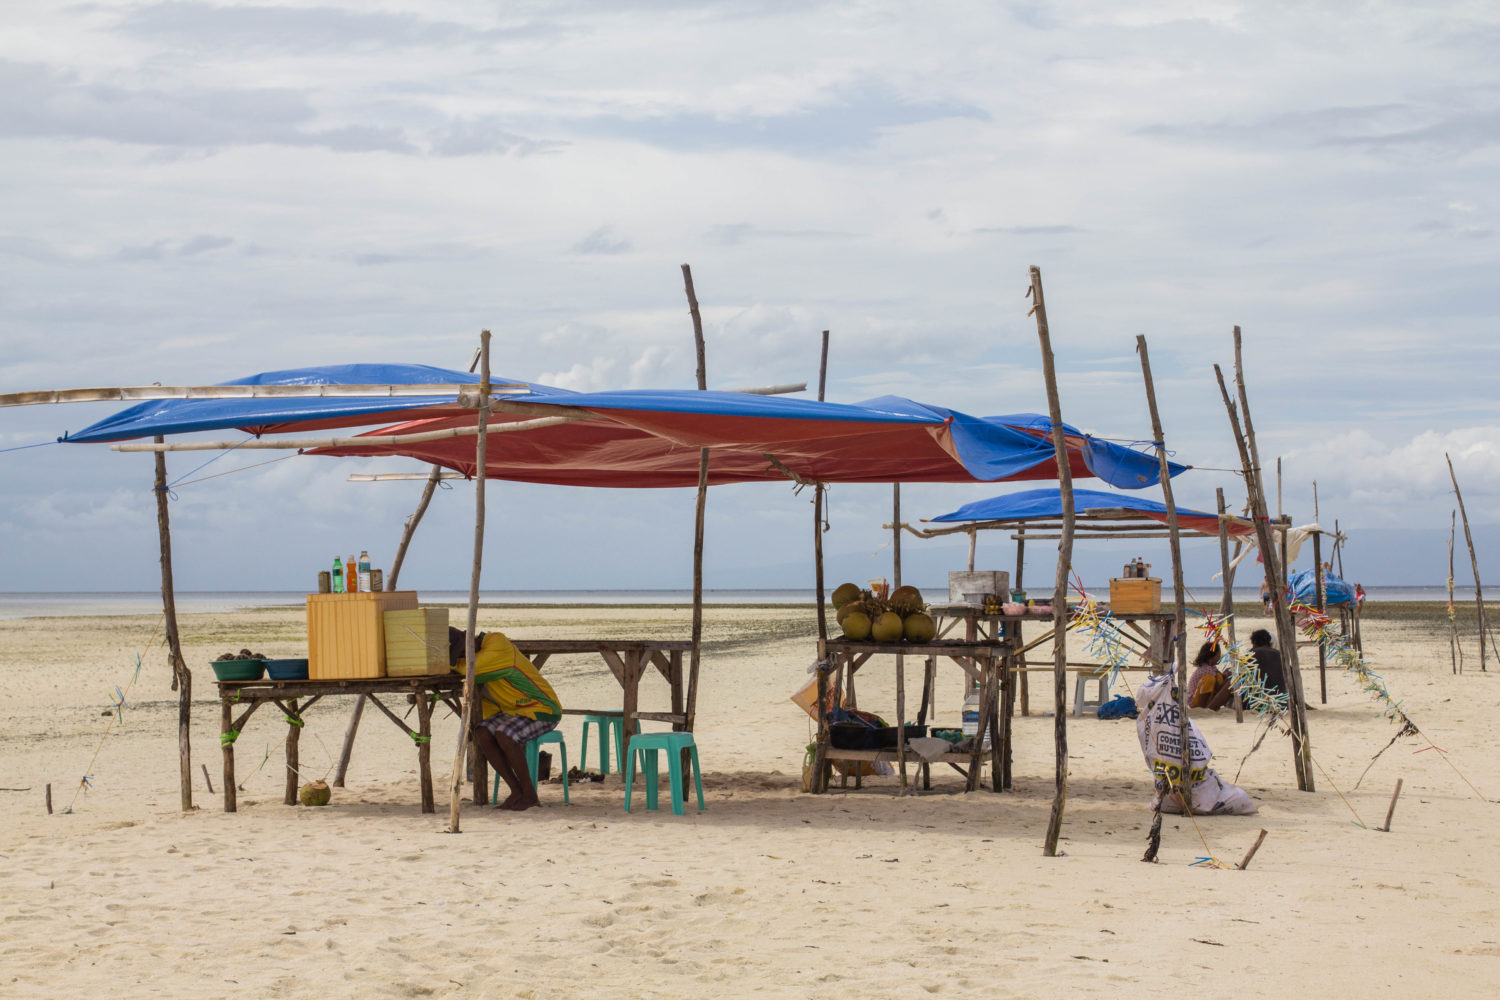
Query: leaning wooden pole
(182, 677)
(1174, 539)
(1262, 521)
(1064, 565)
(818, 511)
(1453, 647)
(695, 657)
(1473, 561)
(467, 713)
(1226, 601)
(1321, 595)
(1286, 632)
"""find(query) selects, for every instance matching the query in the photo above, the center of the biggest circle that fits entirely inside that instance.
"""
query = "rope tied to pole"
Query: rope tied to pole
(227, 739)
(802, 481)
(419, 739)
(292, 721)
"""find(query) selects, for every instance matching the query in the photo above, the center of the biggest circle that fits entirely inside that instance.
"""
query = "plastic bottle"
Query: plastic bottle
(338, 576)
(970, 726)
(351, 575)
(364, 571)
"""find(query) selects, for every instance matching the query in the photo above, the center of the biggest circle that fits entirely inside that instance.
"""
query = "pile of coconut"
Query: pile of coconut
(864, 615)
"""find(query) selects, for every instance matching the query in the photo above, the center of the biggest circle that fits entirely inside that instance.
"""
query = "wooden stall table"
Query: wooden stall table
(294, 698)
(982, 662)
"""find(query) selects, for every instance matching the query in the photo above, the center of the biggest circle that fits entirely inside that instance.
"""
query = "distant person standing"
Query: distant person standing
(1268, 661)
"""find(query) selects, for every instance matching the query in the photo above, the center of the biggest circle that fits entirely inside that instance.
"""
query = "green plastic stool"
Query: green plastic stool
(644, 747)
(533, 747)
(609, 727)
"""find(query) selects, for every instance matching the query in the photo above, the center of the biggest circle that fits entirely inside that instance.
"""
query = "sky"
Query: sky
(192, 192)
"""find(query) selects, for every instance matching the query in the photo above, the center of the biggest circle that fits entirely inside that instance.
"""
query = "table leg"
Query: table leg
(900, 721)
(227, 735)
(480, 788)
(980, 732)
(630, 680)
(424, 750)
(820, 755)
(293, 738)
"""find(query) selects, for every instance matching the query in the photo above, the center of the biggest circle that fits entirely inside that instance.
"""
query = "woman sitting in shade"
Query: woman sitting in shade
(518, 705)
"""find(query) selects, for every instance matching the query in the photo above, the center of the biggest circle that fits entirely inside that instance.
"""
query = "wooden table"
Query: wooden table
(294, 698)
(982, 661)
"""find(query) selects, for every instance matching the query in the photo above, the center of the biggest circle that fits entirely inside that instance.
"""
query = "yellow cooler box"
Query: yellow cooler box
(1135, 595)
(416, 642)
(346, 633)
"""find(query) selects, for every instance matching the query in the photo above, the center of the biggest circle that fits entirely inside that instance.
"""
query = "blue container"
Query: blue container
(287, 670)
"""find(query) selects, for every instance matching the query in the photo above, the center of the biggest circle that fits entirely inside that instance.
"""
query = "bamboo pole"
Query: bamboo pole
(1178, 590)
(467, 703)
(1060, 582)
(1473, 561)
(1322, 601)
(695, 657)
(137, 393)
(182, 677)
(1455, 653)
(818, 512)
(1025, 691)
(1226, 601)
(1249, 458)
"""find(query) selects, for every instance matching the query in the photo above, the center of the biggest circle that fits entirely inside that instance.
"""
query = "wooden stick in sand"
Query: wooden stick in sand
(1392, 810)
(1245, 862)
(1455, 653)
(1473, 561)
(696, 655)
(49, 798)
(1179, 591)
(1226, 601)
(1286, 636)
(206, 779)
(468, 702)
(182, 677)
(1060, 582)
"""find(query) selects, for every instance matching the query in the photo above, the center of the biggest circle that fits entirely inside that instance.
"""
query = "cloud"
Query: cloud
(321, 29)
(475, 136)
(735, 233)
(1057, 230)
(846, 119)
(602, 241)
(204, 244)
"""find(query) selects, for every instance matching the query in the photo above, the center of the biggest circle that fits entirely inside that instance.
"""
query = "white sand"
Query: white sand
(769, 893)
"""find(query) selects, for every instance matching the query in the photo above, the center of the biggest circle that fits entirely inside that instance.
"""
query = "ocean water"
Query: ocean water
(33, 605)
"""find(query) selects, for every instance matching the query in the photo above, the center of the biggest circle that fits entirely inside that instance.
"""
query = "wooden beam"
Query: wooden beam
(1060, 582)
(304, 444)
(138, 393)
(182, 677)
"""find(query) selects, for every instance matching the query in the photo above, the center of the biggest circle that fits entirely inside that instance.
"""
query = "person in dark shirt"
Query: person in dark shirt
(1268, 660)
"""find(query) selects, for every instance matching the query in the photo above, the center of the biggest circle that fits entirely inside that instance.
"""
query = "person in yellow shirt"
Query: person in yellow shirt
(516, 706)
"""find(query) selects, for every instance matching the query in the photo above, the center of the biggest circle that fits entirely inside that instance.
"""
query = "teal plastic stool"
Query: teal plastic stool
(533, 747)
(644, 747)
(610, 727)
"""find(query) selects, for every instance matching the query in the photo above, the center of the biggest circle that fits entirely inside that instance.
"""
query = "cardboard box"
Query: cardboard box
(1135, 595)
(416, 642)
(987, 581)
(346, 634)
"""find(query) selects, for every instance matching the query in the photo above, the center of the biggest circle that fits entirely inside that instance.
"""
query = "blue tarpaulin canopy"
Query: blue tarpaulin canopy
(643, 438)
(1303, 586)
(1046, 504)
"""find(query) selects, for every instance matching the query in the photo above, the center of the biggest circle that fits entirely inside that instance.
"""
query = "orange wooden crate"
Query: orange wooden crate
(1135, 596)
(346, 633)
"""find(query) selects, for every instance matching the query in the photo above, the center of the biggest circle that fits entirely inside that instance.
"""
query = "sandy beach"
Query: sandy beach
(769, 892)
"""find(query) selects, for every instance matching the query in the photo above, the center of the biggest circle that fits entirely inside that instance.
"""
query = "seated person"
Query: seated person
(1268, 659)
(1159, 728)
(517, 707)
(1207, 680)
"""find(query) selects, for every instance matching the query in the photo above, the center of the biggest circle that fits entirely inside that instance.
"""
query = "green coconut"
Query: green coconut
(919, 627)
(843, 594)
(886, 628)
(851, 608)
(856, 626)
(315, 793)
(907, 597)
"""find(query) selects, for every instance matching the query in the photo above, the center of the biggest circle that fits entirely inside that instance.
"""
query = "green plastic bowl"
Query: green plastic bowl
(287, 670)
(238, 670)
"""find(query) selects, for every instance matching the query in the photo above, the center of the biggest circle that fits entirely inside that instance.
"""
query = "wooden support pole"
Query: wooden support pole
(293, 759)
(465, 717)
(1473, 561)
(1226, 600)
(206, 779)
(1286, 637)
(1455, 652)
(1322, 601)
(226, 740)
(182, 677)
(1178, 590)
(1392, 810)
(1060, 581)
(348, 748)
(1019, 658)
(696, 654)
(818, 518)
(1245, 863)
